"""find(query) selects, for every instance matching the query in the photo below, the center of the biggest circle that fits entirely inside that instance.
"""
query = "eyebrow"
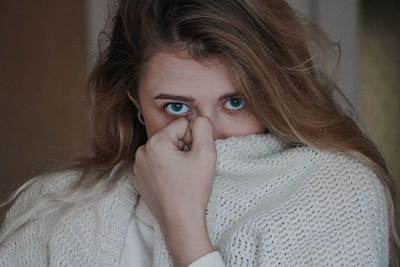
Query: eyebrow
(175, 97)
(191, 99)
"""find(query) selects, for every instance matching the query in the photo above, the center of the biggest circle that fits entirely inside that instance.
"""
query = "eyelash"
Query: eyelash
(227, 101)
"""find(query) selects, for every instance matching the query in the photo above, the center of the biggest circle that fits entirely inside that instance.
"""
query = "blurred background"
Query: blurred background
(47, 48)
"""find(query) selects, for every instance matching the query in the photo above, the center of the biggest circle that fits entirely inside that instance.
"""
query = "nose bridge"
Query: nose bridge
(213, 116)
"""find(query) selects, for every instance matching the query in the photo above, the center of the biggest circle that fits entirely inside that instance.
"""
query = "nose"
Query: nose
(217, 125)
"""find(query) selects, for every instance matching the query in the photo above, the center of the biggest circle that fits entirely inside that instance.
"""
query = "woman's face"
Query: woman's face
(177, 85)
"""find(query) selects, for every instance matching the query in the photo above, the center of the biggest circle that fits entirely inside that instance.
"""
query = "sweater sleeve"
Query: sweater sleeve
(212, 259)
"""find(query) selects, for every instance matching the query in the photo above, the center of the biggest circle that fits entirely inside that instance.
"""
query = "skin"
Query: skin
(174, 170)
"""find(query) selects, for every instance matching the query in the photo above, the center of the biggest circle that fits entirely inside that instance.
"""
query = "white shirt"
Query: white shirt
(138, 247)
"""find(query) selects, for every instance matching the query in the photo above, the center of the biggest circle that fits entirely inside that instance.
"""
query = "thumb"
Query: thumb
(202, 134)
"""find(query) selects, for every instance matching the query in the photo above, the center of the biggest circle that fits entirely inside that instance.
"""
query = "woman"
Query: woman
(215, 142)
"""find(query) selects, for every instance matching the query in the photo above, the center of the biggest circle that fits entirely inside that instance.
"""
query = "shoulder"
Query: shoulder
(23, 231)
(331, 205)
(33, 189)
(332, 174)
(52, 182)
(345, 203)
(48, 182)
(57, 186)
(47, 211)
(338, 169)
(343, 177)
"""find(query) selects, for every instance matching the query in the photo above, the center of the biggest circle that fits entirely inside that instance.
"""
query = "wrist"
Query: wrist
(187, 242)
(184, 221)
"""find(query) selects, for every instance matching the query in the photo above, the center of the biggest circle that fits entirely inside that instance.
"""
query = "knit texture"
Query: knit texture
(271, 205)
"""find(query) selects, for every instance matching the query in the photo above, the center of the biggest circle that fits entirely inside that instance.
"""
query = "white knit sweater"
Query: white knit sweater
(271, 205)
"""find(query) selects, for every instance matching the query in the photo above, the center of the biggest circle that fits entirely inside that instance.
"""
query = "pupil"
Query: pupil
(177, 107)
(235, 102)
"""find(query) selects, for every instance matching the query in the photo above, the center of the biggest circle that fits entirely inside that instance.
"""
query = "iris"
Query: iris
(177, 108)
(234, 103)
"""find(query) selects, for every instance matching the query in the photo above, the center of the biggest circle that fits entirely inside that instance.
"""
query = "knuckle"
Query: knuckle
(168, 134)
(161, 139)
(157, 139)
(154, 141)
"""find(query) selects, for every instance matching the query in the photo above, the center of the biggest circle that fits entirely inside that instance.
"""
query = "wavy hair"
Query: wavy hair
(271, 56)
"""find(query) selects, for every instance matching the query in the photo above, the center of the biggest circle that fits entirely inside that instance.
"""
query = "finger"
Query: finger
(174, 132)
(187, 139)
(202, 134)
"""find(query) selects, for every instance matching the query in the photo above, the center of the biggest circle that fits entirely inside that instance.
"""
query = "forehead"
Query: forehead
(180, 72)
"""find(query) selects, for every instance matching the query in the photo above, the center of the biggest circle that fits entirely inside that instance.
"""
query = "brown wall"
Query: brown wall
(42, 86)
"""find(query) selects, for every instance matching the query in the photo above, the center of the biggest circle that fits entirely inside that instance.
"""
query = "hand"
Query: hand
(176, 185)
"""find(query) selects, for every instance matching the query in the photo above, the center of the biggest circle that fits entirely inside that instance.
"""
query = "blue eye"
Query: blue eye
(176, 108)
(234, 103)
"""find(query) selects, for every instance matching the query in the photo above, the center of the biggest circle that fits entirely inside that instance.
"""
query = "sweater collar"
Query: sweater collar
(248, 147)
(236, 150)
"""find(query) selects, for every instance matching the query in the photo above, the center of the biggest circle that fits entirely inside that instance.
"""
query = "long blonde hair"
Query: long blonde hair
(270, 56)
